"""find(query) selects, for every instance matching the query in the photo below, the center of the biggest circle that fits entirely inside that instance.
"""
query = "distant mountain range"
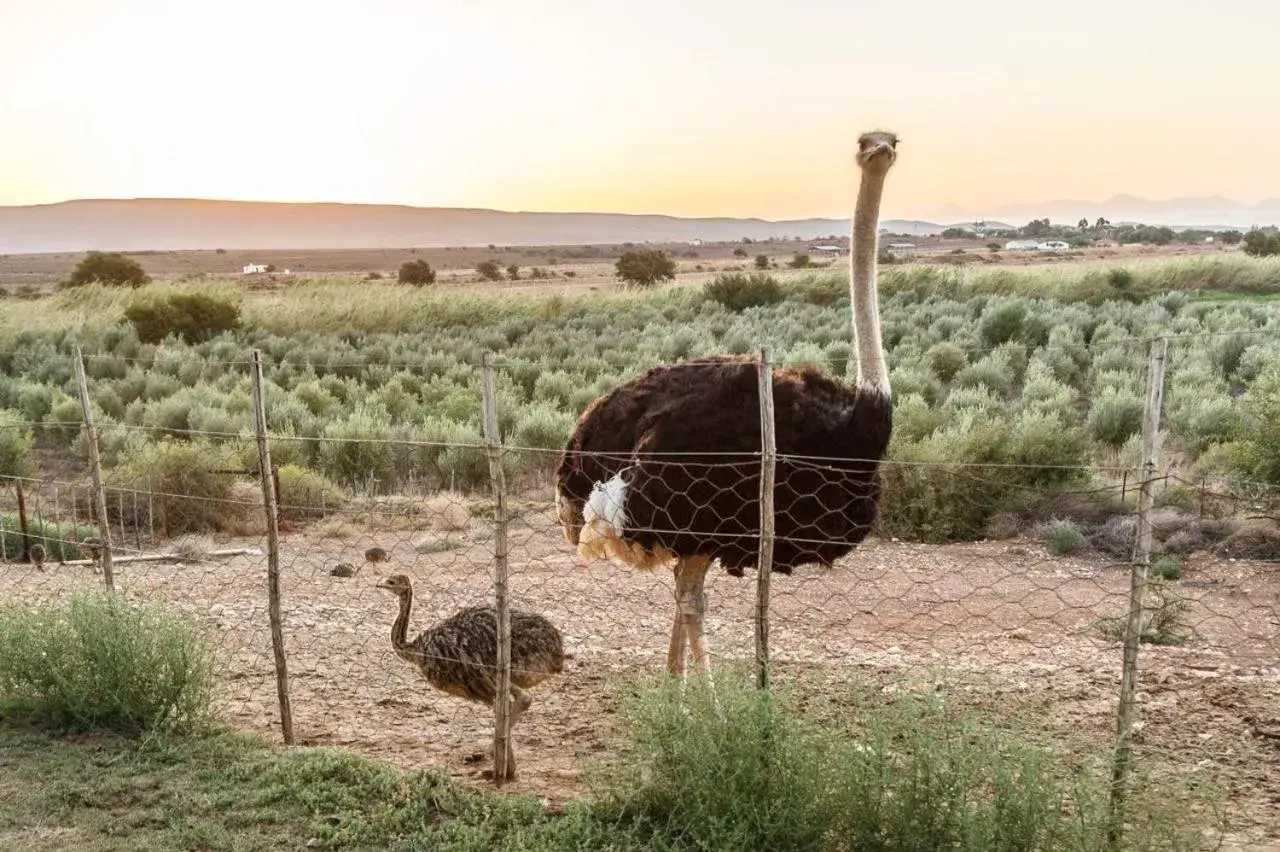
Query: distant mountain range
(170, 224)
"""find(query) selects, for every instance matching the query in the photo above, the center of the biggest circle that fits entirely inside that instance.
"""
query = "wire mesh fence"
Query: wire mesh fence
(1026, 619)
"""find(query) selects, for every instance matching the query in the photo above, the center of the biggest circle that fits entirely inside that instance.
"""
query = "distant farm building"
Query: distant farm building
(1053, 245)
(902, 248)
(830, 251)
(253, 268)
(1021, 245)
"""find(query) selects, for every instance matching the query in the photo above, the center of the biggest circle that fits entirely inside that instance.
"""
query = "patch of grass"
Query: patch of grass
(1164, 617)
(99, 661)
(1064, 537)
(1165, 568)
(750, 770)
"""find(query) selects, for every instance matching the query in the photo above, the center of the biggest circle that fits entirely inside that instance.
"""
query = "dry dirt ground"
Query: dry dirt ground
(999, 625)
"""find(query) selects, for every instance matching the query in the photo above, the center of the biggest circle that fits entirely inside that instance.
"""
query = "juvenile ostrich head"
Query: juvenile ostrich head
(397, 584)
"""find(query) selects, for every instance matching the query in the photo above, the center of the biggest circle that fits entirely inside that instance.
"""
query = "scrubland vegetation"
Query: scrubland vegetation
(1032, 376)
(740, 770)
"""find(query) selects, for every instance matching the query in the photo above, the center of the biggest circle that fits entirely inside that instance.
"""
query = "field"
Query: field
(1000, 557)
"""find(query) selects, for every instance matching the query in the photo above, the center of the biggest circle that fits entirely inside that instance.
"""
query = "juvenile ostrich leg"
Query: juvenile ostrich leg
(664, 470)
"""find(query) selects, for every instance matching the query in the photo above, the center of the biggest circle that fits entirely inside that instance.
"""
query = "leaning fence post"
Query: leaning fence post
(95, 468)
(768, 465)
(273, 549)
(1126, 709)
(493, 444)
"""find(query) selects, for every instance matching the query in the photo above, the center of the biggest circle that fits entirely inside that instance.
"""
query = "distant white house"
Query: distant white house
(826, 250)
(695, 242)
(1053, 245)
(1021, 245)
(902, 248)
(252, 268)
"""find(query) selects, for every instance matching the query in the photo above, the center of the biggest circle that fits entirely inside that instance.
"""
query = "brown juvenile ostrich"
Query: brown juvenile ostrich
(664, 470)
(37, 554)
(92, 548)
(458, 656)
(344, 569)
(376, 554)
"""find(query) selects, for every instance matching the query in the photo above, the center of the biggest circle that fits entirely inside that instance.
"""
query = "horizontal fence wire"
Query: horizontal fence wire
(1002, 584)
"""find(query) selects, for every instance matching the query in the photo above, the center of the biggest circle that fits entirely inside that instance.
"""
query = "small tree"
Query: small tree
(762, 261)
(111, 268)
(645, 267)
(1259, 243)
(739, 252)
(513, 272)
(195, 317)
(489, 270)
(800, 261)
(416, 272)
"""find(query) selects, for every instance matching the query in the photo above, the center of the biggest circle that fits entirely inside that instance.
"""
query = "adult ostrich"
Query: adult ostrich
(664, 470)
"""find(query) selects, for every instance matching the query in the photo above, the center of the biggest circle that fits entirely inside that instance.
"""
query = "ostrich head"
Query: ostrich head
(877, 151)
(397, 584)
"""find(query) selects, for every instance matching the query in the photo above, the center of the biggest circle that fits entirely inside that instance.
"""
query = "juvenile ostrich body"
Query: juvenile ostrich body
(458, 656)
(664, 471)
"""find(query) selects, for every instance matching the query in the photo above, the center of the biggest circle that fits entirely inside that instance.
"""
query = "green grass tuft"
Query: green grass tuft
(98, 661)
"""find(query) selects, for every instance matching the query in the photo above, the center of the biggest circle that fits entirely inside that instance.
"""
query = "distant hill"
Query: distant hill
(171, 224)
(174, 224)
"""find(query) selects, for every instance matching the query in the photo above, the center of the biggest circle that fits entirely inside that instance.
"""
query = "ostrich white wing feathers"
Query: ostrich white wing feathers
(608, 505)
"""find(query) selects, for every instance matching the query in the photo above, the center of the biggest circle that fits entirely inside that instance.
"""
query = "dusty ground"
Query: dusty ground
(1001, 625)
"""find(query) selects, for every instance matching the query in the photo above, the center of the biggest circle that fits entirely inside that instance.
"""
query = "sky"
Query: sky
(684, 107)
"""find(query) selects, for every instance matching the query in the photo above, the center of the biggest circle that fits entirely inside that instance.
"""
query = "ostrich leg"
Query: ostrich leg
(520, 702)
(691, 607)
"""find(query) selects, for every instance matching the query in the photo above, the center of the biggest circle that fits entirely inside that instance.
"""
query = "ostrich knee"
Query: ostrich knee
(693, 611)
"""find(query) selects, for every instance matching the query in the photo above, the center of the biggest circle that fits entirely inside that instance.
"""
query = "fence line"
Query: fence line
(506, 529)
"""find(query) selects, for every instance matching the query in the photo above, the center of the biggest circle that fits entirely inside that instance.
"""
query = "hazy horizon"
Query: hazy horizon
(725, 109)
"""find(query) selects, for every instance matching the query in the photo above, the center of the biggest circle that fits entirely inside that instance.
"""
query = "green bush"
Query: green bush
(95, 660)
(738, 291)
(304, 493)
(946, 359)
(15, 445)
(194, 317)
(189, 484)
(1257, 446)
(110, 268)
(416, 272)
(356, 451)
(1064, 537)
(1114, 416)
(645, 267)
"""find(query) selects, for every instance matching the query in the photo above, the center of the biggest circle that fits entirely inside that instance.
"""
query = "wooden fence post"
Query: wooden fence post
(22, 522)
(768, 469)
(273, 549)
(95, 468)
(502, 766)
(1126, 710)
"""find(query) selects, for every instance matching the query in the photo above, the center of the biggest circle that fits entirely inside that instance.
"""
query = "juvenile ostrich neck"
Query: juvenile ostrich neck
(400, 628)
(872, 370)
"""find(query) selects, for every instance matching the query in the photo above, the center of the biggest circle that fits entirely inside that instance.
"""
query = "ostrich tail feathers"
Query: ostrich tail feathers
(605, 517)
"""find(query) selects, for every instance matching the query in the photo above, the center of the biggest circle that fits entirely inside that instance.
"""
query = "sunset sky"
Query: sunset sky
(698, 107)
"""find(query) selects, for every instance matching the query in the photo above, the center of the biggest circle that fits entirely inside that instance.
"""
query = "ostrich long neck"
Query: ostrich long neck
(873, 372)
(400, 628)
